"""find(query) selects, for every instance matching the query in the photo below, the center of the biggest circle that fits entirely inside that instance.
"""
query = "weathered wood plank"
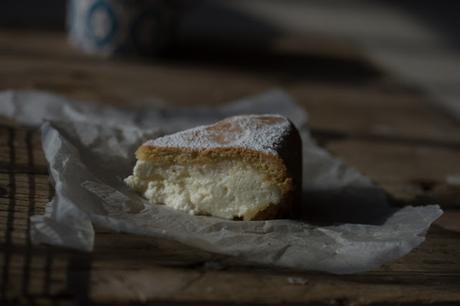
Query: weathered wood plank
(416, 173)
(380, 107)
(386, 130)
(115, 277)
(400, 115)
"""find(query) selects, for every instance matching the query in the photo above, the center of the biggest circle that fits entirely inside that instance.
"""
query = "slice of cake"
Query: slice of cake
(243, 167)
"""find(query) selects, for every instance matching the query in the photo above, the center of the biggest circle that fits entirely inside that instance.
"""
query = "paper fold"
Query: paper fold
(359, 230)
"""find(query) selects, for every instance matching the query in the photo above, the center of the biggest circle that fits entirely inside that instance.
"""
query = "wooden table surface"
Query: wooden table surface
(387, 130)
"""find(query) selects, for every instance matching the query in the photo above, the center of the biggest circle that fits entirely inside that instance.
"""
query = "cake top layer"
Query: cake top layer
(264, 133)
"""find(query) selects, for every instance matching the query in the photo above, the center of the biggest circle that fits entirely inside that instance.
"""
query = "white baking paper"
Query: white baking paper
(347, 224)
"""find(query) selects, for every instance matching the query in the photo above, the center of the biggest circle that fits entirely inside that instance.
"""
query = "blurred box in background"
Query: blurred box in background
(144, 27)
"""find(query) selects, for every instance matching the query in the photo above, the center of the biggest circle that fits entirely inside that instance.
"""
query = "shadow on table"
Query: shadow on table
(217, 35)
(358, 205)
(284, 66)
(440, 17)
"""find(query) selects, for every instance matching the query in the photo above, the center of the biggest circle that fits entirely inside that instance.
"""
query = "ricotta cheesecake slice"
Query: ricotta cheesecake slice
(244, 167)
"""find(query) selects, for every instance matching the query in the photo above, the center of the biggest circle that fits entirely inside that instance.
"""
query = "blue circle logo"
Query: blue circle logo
(101, 23)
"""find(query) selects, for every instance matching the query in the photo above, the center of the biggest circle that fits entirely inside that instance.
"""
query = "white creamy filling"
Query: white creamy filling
(225, 189)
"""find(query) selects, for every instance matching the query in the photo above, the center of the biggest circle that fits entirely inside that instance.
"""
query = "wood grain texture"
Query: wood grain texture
(386, 130)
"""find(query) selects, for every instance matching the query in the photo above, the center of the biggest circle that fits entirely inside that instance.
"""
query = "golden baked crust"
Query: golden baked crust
(281, 164)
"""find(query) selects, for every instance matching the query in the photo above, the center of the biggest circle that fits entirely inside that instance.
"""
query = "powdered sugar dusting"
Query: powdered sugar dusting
(262, 133)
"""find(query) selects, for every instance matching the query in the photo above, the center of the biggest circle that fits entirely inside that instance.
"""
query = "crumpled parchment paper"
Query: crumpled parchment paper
(348, 225)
